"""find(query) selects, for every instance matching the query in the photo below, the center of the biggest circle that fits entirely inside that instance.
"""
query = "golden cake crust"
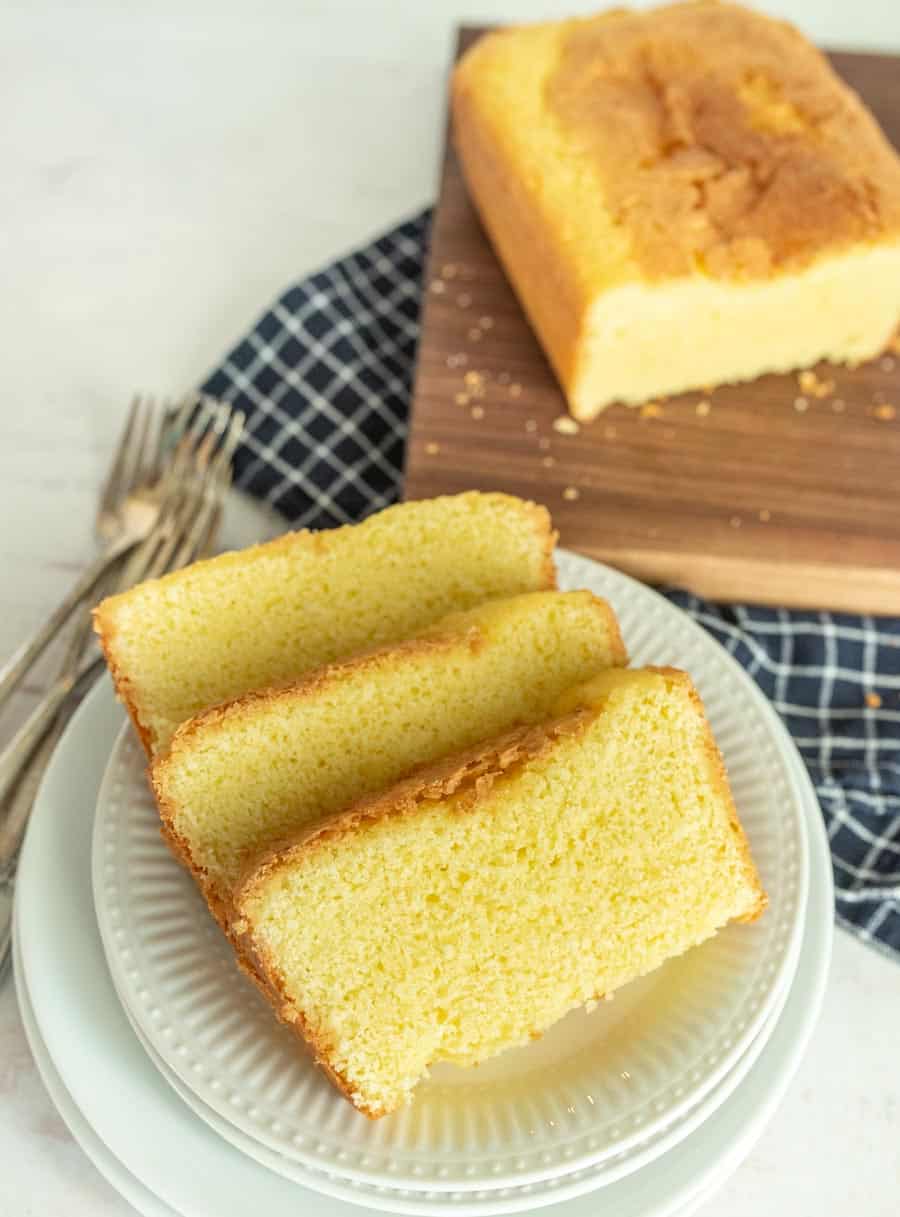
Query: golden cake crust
(715, 138)
(105, 628)
(723, 140)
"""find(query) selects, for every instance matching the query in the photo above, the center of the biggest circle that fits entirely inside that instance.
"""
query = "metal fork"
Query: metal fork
(186, 531)
(190, 495)
(129, 508)
(22, 792)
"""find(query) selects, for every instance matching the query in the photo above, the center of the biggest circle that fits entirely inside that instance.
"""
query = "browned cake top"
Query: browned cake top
(723, 140)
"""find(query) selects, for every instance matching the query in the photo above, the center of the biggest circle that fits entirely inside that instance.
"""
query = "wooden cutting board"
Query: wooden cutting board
(763, 492)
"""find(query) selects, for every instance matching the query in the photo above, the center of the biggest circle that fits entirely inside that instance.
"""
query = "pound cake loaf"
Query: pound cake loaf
(268, 615)
(681, 197)
(239, 776)
(471, 906)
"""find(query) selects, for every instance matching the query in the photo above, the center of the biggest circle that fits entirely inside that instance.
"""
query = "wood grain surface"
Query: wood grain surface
(769, 493)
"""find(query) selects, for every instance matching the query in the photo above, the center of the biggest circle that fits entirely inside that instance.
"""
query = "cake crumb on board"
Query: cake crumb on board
(813, 386)
(652, 409)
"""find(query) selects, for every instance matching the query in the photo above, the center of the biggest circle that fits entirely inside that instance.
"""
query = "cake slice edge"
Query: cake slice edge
(479, 767)
(472, 772)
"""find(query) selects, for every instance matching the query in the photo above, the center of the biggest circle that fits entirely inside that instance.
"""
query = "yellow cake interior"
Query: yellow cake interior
(238, 778)
(268, 615)
(636, 344)
(420, 928)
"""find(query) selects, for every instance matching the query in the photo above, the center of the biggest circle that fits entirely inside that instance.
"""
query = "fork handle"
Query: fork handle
(18, 664)
(16, 758)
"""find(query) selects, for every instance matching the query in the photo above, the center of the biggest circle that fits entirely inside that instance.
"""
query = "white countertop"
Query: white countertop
(168, 169)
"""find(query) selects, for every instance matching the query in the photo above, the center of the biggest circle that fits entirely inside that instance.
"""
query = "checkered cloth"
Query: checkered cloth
(324, 378)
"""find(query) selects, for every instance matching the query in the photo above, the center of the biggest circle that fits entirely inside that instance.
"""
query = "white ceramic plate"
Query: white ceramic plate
(140, 1197)
(530, 1196)
(133, 1121)
(594, 1086)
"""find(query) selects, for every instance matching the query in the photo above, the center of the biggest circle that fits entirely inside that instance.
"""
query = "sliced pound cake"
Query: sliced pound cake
(241, 775)
(269, 614)
(470, 907)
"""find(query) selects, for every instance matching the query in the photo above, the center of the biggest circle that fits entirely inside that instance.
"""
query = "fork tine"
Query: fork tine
(194, 543)
(182, 416)
(215, 479)
(182, 458)
(194, 442)
(174, 440)
(139, 473)
(146, 558)
(220, 467)
(205, 545)
(215, 450)
(218, 422)
(113, 488)
(139, 560)
(196, 477)
(133, 454)
(182, 524)
(156, 448)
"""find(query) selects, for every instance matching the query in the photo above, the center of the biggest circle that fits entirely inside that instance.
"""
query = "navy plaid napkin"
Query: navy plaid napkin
(324, 378)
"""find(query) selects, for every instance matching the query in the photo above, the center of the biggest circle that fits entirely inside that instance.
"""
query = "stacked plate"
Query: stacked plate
(173, 1074)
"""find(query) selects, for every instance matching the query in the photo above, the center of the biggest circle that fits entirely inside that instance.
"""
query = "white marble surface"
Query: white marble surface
(168, 169)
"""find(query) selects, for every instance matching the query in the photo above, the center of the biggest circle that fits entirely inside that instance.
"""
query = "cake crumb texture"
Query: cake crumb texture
(469, 908)
(269, 614)
(241, 775)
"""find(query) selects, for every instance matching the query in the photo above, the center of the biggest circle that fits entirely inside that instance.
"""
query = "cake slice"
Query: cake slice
(681, 197)
(241, 775)
(468, 908)
(269, 614)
